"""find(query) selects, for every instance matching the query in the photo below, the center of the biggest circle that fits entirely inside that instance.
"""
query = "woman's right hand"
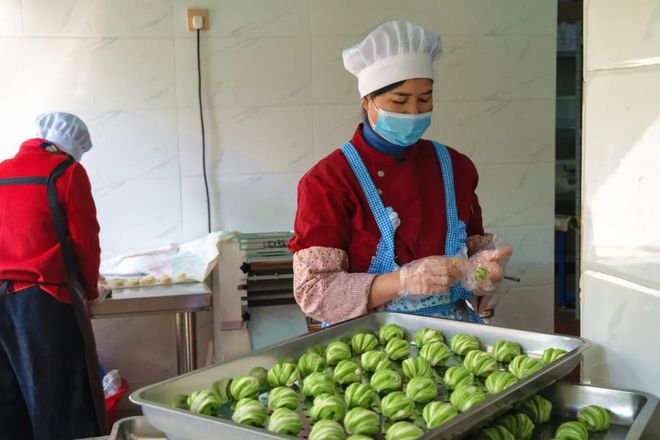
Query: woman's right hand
(430, 275)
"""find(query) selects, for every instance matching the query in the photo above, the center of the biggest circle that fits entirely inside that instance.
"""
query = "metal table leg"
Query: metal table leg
(186, 342)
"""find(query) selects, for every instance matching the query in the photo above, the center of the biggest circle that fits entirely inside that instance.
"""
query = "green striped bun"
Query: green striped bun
(435, 352)
(428, 335)
(221, 389)
(283, 375)
(363, 342)
(438, 413)
(466, 396)
(374, 360)
(519, 424)
(522, 366)
(403, 431)
(318, 383)
(497, 432)
(203, 402)
(537, 408)
(358, 437)
(596, 418)
(552, 354)
(327, 407)
(282, 397)
(327, 430)
(347, 372)
(462, 344)
(361, 421)
(310, 363)
(384, 381)
(250, 412)
(458, 375)
(414, 367)
(244, 386)
(397, 406)
(505, 351)
(421, 389)
(572, 431)
(397, 349)
(262, 376)
(285, 421)
(498, 381)
(318, 349)
(336, 352)
(390, 331)
(480, 363)
(362, 395)
(180, 401)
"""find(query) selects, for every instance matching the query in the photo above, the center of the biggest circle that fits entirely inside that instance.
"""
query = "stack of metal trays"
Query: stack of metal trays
(183, 425)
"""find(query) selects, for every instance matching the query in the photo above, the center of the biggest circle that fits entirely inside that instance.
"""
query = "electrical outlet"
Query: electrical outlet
(190, 13)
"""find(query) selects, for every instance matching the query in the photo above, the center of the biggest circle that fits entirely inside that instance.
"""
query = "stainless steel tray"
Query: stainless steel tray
(631, 411)
(135, 428)
(183, 425)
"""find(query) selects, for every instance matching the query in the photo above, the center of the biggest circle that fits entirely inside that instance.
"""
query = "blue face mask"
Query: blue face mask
(401, 129)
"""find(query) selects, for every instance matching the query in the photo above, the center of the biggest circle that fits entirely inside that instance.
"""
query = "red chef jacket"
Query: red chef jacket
(29, 249)
(333, 210)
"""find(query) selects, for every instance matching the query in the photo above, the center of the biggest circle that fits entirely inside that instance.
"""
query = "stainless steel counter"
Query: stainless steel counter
(183, 300)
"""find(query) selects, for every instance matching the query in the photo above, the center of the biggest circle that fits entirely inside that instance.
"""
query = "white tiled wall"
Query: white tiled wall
(277, 100)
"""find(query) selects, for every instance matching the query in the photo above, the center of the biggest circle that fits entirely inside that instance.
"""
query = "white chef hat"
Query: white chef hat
(394, 51)
(65, 130)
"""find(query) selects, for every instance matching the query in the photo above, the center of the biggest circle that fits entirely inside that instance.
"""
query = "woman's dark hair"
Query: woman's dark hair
(385, 89)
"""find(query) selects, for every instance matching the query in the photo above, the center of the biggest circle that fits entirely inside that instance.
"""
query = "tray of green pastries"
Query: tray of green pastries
(388, 376)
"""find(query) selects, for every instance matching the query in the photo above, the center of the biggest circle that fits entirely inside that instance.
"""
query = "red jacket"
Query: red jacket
(29, 249)
(333, 211)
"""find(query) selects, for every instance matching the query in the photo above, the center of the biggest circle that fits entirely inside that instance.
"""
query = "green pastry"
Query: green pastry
(427, 335)
(466, 396)
(361, 421)
(390, 331)
(572, 431)
(362, 395)
(522, 366)
(244, 386)
(435, 352)
(250, 412)
(310, 363)
(318, 383)
(413, 367)
(505, 351)
(552, 354)
(519, 424)
(180, 401)
(336, 352)
(358, 437)
(285, 421)
(318, 349)
(537, 408)
(398, 406)
(480, 363)
(498, 381)
(262, 375)
(421, 389)
(363, 342)
(397, 349)
(283, 375)
(596, 418)
(438, 413)
(497, 432)
(458, 375)
(384, 381)
(462, 344)
(203, 402)
(347, 372)
(327, 430)
(221, 389)
(403, 431)
(282, 397)
(328, 407)
(374, 360)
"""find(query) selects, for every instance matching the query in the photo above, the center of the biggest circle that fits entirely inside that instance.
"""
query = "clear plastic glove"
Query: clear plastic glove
(104, 292)
(485, 271)
(430, 275)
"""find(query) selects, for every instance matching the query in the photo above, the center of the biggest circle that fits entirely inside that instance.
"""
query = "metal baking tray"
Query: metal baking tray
(630, 411)
(135, 428)
(183, 425)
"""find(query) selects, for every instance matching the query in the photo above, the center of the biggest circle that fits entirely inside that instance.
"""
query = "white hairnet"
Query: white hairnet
(65, 130)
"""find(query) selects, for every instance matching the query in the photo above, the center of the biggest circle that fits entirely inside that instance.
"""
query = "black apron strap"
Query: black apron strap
(24, 181)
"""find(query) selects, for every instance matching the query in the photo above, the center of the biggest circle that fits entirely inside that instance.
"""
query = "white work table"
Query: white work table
(183, 300)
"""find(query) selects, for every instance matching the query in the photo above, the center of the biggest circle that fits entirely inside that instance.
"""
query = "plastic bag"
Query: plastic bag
(111, 383)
